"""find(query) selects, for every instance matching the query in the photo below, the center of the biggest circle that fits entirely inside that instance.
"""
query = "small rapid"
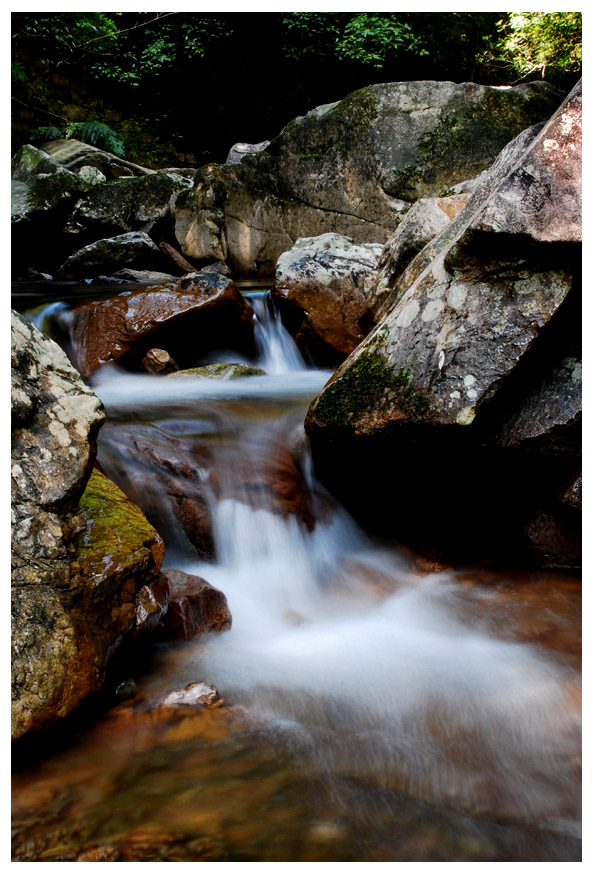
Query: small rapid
(371, 681)
(363, 667)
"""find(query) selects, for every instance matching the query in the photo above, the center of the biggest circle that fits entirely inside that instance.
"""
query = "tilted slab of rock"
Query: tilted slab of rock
(73, 154)
(424, 220)
(188, 318)
(475, 299)
(322, 287)
(352, 167)
(79, 548)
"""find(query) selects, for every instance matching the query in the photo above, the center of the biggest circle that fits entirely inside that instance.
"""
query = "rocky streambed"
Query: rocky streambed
(237, 638)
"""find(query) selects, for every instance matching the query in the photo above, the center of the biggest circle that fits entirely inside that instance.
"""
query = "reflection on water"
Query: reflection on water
(371, 713)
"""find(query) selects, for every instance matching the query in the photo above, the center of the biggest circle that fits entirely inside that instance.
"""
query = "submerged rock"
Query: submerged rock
(322, 286)
(352, 167)
(80, 550)
(194, 695)
(190, 317)
(463, 342)
(219, 371)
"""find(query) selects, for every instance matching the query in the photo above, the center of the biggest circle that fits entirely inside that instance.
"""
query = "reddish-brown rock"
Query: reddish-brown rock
(190, 317)
(194, 607)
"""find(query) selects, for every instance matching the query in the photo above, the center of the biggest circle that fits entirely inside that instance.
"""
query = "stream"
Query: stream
(372, 711)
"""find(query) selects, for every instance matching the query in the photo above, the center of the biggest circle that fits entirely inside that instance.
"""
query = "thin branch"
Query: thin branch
(39, 109)
(127, 29)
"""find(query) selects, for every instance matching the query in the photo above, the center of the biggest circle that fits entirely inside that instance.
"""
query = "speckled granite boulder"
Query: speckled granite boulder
(322, 286)
(80, 550)
(469, 387)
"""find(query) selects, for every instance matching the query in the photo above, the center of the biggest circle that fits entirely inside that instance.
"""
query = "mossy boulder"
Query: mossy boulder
(469, 388)
(352, 167)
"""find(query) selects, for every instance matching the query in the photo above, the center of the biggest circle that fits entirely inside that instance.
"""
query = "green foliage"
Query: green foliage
(373, 38)
(46, 133)
(95, 134)
(536, 41)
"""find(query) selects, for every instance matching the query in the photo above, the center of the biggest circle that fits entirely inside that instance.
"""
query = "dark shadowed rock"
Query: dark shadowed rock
(189, 318)
(135, 250)
(142, 203)
(352, 167)
(322, 287)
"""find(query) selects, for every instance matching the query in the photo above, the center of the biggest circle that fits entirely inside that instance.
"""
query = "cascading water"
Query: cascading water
(377, 683)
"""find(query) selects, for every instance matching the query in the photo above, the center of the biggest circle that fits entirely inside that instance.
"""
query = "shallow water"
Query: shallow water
(371, 712)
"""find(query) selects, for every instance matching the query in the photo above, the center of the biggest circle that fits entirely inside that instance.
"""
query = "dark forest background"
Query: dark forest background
(171, 88)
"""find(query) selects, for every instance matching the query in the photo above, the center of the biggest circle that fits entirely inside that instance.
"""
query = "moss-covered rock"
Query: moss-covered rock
(218, 371)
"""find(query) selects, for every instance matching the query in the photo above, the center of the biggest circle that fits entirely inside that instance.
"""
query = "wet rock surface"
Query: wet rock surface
(195, 607)
(322, 286)
(188, 318)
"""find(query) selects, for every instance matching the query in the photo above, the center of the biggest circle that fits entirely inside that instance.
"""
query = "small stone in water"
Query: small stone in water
(194, 695)
(125, 690)
(159, 361)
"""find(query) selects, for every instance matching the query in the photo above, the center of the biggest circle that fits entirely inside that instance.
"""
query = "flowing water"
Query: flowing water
(371, 712)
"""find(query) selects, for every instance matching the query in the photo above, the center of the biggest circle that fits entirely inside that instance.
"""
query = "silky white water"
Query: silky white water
(365, 669)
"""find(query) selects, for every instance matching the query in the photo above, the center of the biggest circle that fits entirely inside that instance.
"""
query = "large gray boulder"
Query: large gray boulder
(352, 167)
(321, 287)
(80, 550)
(465, 338)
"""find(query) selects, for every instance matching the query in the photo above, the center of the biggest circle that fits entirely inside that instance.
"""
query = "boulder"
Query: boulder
(190, 317)
(130, 204)
(321, 287)
(42, 196)
(483, 328)
(74, 155)
(352, 167)
(80, 550)
(134, 250)
(195, 607)
(424, 220)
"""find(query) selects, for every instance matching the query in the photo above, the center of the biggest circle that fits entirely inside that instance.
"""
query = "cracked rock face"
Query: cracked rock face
(352, 168)
(322, 287)
(73, 591)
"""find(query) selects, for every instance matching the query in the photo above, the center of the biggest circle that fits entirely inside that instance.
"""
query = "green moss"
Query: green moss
(368, 385)
(117, 535)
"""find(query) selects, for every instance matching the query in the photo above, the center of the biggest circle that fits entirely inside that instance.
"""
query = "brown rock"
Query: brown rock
(195, 607)
(192, 316)
(159, 361)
